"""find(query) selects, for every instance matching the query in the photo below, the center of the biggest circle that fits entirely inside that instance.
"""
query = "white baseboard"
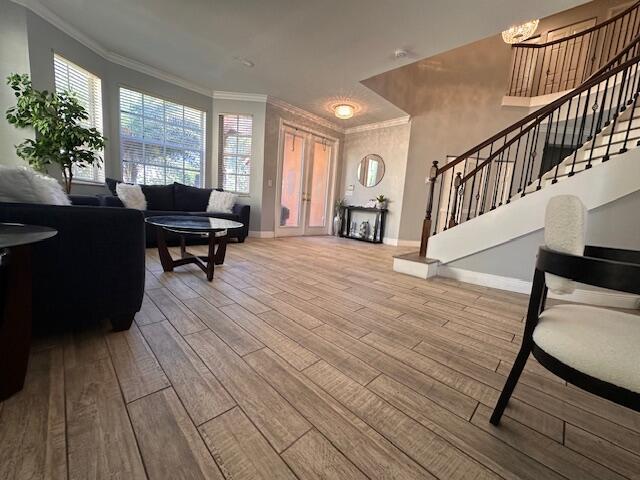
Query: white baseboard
(601, 297)
(261, 234)
(400, 243)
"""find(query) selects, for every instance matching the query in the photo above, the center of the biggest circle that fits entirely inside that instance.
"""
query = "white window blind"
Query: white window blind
(234, 156)
(160, 142)
(88, 90)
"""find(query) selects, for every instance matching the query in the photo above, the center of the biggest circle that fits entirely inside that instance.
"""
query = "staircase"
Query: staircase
(589, 125)
(548, 152)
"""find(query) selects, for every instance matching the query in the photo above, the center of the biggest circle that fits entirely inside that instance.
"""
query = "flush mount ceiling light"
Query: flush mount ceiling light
(519, 33)
(344, 111)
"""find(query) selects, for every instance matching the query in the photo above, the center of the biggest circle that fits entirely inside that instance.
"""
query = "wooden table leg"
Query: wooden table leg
(211, 257)
(222, 248)
(163, 251)
(183, 247)
(15, 321)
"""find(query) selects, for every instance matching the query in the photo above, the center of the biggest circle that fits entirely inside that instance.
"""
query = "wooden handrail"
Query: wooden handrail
(582, 33)
(541, 112)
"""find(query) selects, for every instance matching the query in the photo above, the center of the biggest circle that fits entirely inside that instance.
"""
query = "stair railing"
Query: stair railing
(563, 64)
(514, 161)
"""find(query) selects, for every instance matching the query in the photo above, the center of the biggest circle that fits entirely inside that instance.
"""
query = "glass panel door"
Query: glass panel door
(303, 199)
(318, 190)
(292, 182)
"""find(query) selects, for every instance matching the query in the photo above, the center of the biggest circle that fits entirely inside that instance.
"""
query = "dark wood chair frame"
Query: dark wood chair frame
(611, 268)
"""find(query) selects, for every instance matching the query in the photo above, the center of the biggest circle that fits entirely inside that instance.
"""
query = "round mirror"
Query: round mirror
(371, 170)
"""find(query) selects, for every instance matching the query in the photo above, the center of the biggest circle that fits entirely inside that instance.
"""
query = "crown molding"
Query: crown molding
(312, 117)
(375, 126)
(244, 97)
(46, 14)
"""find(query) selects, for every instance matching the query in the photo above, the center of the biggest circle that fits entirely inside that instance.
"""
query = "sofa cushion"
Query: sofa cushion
(159, 197)
(190, 199)
(25, 185)
(111, 185)
(131, 196)
(221, 202)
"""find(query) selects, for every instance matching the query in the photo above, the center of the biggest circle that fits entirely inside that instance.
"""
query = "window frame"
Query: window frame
(221, 154)
(98, 171)
(163, 143)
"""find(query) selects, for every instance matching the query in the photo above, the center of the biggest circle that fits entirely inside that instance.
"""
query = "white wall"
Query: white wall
(14, 58)
(257, 109)
(392, 144)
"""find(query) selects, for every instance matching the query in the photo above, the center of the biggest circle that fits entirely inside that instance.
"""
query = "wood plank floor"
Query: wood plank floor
(306, 358)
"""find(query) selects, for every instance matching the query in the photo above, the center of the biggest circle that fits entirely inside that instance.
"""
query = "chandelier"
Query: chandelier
(519, 33)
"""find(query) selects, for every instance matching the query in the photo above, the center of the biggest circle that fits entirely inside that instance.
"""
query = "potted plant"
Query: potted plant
(381, 202)
(57, 120)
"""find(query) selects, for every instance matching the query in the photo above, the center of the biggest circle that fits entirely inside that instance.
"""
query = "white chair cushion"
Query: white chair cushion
(604, 344)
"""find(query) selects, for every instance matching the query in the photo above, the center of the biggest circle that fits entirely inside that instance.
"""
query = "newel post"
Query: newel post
(426, 223)
(456, 191)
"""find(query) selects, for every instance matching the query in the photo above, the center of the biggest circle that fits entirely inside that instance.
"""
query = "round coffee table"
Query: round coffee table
(15, 301)
(214, 228)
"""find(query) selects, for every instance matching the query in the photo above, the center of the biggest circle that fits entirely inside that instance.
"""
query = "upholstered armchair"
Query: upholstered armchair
(596, 349)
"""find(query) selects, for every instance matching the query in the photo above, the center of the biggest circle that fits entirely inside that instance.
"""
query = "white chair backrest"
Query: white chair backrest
(565, 225)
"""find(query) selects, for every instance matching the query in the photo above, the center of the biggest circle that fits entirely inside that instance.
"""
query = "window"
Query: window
(88, 90)
(234, 158)
(160, 142)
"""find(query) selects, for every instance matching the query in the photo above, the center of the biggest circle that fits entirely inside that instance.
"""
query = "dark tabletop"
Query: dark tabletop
(192, 223)
(15, 234)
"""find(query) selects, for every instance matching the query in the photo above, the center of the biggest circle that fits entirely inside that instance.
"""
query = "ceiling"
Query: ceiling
(308, 53)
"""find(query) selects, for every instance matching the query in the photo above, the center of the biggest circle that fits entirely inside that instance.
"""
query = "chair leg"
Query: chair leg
(510, 384)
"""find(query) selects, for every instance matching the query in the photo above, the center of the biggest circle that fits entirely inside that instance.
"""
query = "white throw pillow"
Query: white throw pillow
(221, 202)
(131, 196)
(25, 185)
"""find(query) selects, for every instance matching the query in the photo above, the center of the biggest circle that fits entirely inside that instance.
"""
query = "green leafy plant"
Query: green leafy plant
(381, 198)
(339, 205)
(57, 119)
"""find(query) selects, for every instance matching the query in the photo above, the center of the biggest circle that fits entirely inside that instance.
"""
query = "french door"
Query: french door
(304, 180)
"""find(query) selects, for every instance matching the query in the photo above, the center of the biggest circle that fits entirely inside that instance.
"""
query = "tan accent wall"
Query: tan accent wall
(454, 99)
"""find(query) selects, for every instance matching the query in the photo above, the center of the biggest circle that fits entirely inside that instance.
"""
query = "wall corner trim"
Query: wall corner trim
(377, 125)
(312, 117)
(46, 14)
(245, 97)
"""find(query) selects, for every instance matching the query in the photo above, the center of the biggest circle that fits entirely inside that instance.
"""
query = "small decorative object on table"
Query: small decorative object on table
(381, 202)
(364, 229)
(337, 220)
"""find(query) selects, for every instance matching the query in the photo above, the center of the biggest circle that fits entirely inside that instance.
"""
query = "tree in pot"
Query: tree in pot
(57, 119)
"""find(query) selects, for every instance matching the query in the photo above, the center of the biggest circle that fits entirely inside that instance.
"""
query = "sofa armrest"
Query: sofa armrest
(110, 201)
(244, 214)
(95, 265)
(87, 200)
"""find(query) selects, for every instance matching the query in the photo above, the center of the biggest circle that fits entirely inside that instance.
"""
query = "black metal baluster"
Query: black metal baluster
(584, 121)
(525, 158)
(446, 216)
(515, 164)
(564, 133)
(633, 110)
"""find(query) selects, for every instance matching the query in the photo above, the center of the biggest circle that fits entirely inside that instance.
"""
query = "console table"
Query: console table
(378, 225)
(15, 301)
